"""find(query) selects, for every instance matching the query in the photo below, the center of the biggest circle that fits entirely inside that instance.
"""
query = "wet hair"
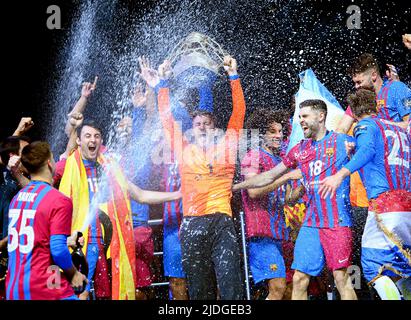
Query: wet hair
(262, 119)
(35, 155)
(363, 63)
(11, 145)
(197, 113)
(315, 104)
(89, 123)
(362, 102)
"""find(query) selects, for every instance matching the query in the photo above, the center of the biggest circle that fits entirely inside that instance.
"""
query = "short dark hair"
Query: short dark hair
(315, 104)
(11, 145)
(35, 155)
(363, 63)
(362, 102)
(262, 119)
(89, 123)
(202, 113)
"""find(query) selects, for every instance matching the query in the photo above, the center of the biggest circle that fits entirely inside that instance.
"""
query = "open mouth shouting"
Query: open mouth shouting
(92, 148)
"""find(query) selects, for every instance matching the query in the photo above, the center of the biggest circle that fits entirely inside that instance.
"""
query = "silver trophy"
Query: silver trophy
(196, 60)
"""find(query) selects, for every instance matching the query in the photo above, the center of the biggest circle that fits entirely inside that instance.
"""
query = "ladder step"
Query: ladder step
(158, 284)
(155, 222)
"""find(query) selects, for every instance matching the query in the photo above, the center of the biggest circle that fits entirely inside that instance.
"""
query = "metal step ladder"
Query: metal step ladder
(247, 275)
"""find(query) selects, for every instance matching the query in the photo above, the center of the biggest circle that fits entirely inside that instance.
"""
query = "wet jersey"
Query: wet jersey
(383, 153)
(264, 216)
(393, 101)
(36, 213)
(206, 177)
(317, 160)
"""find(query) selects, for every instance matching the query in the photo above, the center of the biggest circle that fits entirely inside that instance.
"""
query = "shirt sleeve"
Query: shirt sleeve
(61, 216)
(172, 129)
(401, 95)
(366, 136)
(60, 252)
(236, 121)
(290, 159)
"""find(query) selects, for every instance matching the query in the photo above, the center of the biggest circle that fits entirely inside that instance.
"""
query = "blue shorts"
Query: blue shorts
(173, 266)
(265, 258)
(316, 247)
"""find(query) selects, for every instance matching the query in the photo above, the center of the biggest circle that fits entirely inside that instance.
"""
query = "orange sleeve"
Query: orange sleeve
(237, 117)
(172, 129)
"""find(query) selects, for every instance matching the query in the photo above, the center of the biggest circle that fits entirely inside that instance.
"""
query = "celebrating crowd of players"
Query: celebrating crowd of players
(299, 210)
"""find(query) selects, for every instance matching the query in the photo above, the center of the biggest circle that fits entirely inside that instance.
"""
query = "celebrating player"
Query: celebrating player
(39, 224)
(383, 154)
(325, 234)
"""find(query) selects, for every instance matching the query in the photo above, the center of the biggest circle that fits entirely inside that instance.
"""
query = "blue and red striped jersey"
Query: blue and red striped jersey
(264, 216)
(383, 153)
(318, 160)
(173, 210)
(393, 101)
(37, 212)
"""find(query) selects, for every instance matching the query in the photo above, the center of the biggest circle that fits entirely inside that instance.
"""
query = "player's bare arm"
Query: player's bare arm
(25, 124)
(262, 179)
(86, 91)
(292, 196)
(147, 73)
(345, 124)
(75, 121)
(260, 192)
(151, 197)
(15, 168)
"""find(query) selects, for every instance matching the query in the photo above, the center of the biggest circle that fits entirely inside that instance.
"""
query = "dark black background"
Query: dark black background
(30, 50)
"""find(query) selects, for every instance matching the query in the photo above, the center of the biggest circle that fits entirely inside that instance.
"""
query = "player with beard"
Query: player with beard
(325, 235)
(393, 97)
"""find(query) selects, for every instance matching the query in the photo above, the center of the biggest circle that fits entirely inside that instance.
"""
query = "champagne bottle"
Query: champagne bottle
(79, 260)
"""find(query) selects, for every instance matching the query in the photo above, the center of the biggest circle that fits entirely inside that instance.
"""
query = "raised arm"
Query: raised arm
(86, 91)
(15, 168)
(406, 39)
(26, 123)
(75, 121)
(236, 121)
(158, 80)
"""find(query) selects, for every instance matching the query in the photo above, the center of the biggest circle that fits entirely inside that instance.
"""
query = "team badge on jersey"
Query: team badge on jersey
(329, 152)
(273, 267)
